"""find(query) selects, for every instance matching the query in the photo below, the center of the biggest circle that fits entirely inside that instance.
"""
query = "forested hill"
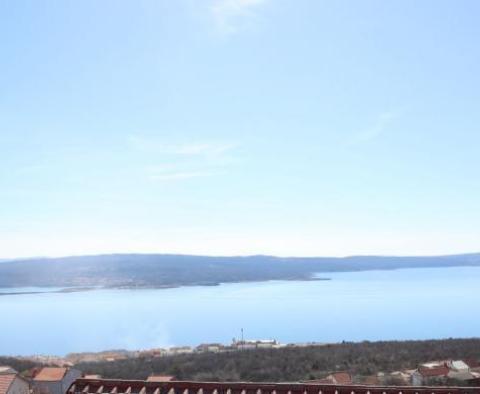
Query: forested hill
(285, 364)
(182, 270)
(160, 270)
(291, 363)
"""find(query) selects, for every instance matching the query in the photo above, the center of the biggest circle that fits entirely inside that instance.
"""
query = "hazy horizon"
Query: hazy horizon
(4, 259)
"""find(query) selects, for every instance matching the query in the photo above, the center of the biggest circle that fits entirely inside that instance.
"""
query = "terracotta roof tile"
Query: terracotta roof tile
(341, 378)
(318, 381)
(372, 380)
(5, 382)
(472, 363)
(160, 378)
(435, 371)
(50, 374)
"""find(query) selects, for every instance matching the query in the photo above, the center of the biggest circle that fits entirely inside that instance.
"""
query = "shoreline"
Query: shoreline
(4, 291)
(67, 290)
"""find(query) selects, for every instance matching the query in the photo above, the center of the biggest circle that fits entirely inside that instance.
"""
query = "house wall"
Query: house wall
(70, 377)
(417, 379)
(47, 387)
(57, 387)
(18, 386)
(265, 345)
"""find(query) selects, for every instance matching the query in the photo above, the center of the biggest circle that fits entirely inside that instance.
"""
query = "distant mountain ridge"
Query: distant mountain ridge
(170, 270)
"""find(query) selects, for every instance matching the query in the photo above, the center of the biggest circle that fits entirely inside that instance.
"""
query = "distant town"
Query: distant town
(116, 355)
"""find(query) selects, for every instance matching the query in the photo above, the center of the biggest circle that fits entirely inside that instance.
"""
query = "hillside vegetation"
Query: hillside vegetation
(293, 363)
(20, 365)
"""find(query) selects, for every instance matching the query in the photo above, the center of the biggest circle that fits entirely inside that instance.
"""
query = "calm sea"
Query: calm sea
(374, 305)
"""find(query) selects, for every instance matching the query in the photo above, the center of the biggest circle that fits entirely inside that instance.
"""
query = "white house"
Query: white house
(254, 344)
(459, 370)
(180, 350)
(458, 365)
(209, 347)
(424, 375)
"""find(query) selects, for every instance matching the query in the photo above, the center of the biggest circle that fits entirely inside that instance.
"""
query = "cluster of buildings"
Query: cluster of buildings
(236, 345)
(60, 380)
(215, 347)
(444, 372)
(218, 347)
(12, 383)
(47, 380)
(457, 370)
(463, 375)
(116, 355)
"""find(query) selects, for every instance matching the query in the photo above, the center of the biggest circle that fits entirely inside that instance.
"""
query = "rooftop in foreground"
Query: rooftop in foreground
(117, 386)
(5, 381)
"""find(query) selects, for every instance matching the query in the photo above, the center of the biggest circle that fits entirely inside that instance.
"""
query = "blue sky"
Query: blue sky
(239, 127)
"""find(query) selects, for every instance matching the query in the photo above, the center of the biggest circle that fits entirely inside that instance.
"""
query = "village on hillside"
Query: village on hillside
(59, 379)
(441, 372)
(116, 355)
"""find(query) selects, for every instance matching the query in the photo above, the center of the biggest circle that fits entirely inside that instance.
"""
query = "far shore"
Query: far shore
(133, 287)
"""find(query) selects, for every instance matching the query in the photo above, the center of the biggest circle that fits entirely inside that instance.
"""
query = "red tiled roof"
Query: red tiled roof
(472, 362)
(435, 371)
(160, 378)
(5, 382)
(333, 378)
(341, 378)
(372, 380)
(50, 374)
(318, 381)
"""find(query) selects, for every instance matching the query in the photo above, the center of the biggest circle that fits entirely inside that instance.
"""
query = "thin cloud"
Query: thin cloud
(230, 16)
(201, 149)
(182, 161)
(190, 149)
(177, 176)
(382, 123)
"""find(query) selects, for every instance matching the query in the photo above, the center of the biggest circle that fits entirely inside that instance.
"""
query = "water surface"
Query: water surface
(373, 305)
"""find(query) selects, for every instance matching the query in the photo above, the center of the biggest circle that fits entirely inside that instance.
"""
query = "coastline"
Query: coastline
(67, 290)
